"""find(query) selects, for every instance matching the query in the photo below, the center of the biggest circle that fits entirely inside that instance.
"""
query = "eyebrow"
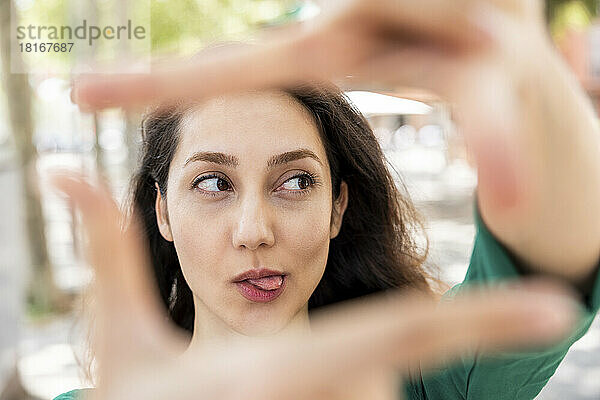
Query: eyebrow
(232, 161)
(290, 156)
(213, 157)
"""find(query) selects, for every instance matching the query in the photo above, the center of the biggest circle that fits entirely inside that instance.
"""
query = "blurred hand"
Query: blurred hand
(383, 42)
(477, 54)
(356, 350)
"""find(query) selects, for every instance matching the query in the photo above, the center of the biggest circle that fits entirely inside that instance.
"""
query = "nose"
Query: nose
(253, 228)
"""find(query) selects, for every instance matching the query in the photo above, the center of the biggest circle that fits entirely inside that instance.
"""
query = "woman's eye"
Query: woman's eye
(213, 184)
(297, 183)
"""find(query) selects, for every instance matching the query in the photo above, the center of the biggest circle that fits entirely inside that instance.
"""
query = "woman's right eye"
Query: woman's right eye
(212, 184)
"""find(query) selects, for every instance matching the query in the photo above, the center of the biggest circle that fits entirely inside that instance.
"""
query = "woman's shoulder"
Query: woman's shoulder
(76, 394)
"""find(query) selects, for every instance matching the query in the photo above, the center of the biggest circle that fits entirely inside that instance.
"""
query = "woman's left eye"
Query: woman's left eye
(300, 182)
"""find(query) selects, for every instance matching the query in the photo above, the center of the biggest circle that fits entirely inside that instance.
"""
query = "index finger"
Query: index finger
(231, 69)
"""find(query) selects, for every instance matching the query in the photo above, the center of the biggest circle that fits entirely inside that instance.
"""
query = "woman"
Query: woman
(260, 182)
(259, 207)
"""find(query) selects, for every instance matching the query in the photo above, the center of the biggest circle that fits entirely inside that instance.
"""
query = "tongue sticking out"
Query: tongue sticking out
(268, 282)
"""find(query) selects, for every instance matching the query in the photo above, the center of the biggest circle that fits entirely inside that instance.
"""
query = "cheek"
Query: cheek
(200, 240)
(306, 231)
(303, 239)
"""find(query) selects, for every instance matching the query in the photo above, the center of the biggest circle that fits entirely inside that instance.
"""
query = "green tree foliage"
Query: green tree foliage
(565, 15)
(185, 25)
(553, 6)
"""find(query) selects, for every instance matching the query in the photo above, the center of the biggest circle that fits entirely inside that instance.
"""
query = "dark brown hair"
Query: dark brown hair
(375, 249)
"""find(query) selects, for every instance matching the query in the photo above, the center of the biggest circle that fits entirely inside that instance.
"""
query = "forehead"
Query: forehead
(250, 126)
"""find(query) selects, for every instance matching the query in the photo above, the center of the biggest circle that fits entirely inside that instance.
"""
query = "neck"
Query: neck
(209, 329)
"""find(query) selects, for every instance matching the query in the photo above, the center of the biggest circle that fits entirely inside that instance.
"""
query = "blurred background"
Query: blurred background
(41, 274)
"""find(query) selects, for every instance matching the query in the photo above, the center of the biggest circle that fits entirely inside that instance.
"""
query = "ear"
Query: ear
(162, 217)
(339, 208)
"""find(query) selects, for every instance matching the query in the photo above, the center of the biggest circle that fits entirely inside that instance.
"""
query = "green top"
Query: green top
(516, 376)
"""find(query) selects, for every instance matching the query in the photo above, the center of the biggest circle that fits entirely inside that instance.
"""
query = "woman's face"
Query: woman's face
(249, 188)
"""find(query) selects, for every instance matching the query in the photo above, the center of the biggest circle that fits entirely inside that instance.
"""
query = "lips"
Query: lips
(260, 285)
